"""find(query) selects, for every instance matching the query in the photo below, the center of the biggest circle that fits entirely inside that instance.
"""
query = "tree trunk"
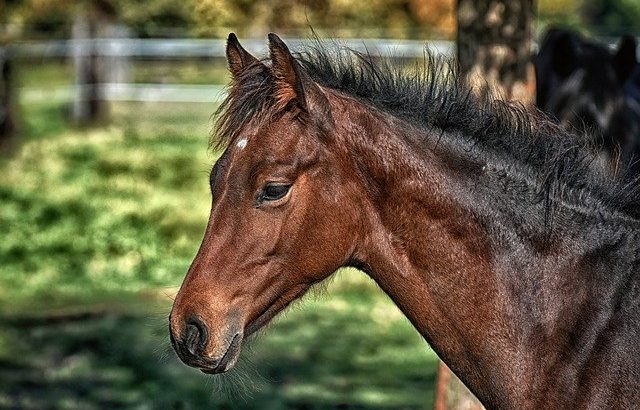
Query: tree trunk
(494, 47)
(93, 23)
(88, 105)
(494, 54)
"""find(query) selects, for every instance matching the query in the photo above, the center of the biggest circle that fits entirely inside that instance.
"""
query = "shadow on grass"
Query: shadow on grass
(324, 355)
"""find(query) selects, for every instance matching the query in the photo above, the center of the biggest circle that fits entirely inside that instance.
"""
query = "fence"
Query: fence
(117, 51)
(212, 48)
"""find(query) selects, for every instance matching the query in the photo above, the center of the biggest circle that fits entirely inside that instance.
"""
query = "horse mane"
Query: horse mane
(434, 97)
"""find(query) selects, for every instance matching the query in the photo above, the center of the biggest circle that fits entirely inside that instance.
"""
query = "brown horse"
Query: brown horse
(486, 225)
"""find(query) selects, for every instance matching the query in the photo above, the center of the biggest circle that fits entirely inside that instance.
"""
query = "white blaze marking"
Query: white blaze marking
(242, 143)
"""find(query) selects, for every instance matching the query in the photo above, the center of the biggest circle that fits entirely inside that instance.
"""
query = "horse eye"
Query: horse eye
(273, 192)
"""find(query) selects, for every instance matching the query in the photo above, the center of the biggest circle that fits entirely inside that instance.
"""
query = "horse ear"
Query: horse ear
(564, 54)
(293, 84)
(239, 58)
(287, 73)
(624, 61)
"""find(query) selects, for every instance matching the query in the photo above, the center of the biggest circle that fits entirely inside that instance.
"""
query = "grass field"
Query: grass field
(99, 226)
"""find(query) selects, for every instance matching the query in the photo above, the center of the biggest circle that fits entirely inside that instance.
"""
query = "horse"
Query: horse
(588, 88)
(632, 98)
(485, 223)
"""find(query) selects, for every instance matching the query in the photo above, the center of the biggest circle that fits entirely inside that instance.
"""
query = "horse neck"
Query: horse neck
(436, 258)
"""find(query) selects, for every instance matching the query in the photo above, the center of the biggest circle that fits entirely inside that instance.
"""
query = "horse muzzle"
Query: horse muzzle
(192, 345)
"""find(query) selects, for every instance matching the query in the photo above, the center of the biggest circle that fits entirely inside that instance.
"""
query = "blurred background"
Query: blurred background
(107, 110)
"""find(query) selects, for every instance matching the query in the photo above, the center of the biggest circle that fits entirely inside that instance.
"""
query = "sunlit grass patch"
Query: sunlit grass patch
(108, 208)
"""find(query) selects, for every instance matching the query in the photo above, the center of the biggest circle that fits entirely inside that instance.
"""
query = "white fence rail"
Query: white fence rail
(184, 48)
(122, 49)
(176, 49)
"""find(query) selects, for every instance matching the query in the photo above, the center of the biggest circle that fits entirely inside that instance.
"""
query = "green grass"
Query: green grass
(204, 72)
(349, 347)
(37, 74)
(99, 227)
(113, 209)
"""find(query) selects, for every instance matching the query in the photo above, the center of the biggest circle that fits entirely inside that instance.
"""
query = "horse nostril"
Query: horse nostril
(195, 336)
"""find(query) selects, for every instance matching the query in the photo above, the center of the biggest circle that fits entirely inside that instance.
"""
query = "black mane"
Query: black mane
(433, 97)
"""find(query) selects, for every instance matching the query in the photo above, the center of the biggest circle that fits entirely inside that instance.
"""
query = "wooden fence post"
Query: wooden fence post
(116, 65)
(91, 25)
(452, 394)
(88, 105)
(7, 99)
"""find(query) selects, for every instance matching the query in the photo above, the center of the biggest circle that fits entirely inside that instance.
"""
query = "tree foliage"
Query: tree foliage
(145, 17)
(560, 13)
(385, 18)
(418, 19)
(613, 17)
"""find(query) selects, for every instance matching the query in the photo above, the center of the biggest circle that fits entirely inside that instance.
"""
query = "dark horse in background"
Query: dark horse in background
(593, 90)
(485, 224)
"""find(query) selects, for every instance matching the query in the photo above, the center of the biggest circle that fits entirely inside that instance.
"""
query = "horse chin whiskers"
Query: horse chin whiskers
(241, 382)
(156, 321)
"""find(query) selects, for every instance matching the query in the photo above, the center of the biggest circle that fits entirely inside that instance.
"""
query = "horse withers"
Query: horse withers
(487, 226)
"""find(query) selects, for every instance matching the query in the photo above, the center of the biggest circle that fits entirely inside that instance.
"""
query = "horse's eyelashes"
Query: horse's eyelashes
(273, 192)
